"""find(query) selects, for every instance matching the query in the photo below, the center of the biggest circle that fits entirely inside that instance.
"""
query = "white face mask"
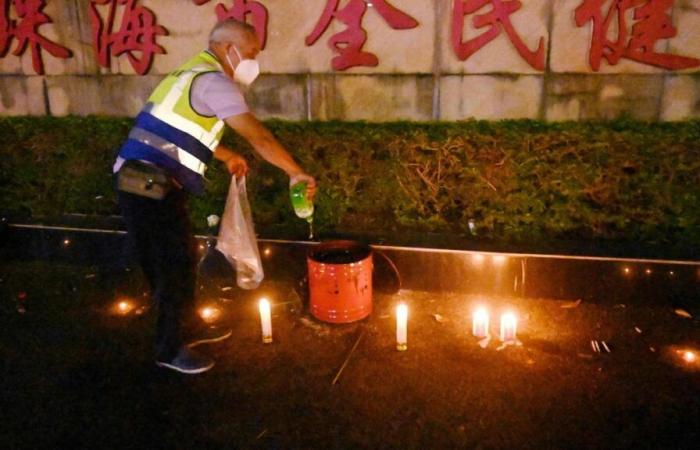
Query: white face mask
(247, 70)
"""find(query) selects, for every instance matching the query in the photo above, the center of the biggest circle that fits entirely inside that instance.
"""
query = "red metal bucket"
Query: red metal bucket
(340, 281)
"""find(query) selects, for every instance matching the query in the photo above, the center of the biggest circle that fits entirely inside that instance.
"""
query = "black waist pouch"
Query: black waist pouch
(139, 178)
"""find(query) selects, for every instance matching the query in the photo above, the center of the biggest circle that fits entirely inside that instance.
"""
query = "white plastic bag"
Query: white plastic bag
(237, 241)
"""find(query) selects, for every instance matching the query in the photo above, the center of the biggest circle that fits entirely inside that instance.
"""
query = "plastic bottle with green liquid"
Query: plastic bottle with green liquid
(303, 206)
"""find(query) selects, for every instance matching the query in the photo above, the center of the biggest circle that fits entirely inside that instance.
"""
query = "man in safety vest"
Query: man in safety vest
(165, 157)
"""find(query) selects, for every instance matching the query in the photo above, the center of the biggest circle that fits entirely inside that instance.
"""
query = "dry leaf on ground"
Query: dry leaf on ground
(571, 305)
(682, 313)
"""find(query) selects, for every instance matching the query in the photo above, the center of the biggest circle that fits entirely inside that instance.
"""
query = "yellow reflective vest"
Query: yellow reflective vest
(168, 131)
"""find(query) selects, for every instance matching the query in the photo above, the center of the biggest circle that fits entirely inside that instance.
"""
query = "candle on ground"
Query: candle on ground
(265, 320)
(480, 323)
(689, 356)
(123, 307)
(509, 325)
(209, 313)
(401, 327)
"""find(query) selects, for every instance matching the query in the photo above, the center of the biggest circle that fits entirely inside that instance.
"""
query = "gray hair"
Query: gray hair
(230, 30)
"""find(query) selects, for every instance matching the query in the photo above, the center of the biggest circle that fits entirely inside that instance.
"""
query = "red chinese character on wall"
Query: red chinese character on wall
(136, 35)
(240, 11)
(653, 24)
(497, 20)
(349, 42)
(29, 17)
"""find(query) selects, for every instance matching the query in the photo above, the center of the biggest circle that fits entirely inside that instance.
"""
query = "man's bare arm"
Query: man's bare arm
(265, 144)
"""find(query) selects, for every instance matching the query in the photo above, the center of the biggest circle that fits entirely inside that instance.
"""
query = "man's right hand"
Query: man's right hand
(310, 183)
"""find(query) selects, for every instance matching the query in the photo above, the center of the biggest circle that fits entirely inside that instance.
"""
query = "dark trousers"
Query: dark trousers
(161, 233)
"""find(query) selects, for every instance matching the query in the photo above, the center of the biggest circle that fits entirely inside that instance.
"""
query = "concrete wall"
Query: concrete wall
(419, 75)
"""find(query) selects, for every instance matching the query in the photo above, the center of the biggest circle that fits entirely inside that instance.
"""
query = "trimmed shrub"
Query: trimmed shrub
(516, 180)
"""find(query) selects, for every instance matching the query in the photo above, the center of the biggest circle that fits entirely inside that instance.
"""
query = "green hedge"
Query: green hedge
(517, 180)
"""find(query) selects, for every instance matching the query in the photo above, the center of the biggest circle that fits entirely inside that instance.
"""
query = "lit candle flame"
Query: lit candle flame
(265, 320)
(401, 327)
(124, 307)
(509, 325)
(689, 356)
(209, 313)
(480, 323)
(267, 251)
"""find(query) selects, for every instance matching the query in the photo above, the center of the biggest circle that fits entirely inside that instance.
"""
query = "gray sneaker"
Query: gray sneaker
(209, 335)
(187, 361)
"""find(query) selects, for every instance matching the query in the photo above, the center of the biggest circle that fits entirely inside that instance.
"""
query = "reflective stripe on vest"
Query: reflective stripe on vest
(173, 151)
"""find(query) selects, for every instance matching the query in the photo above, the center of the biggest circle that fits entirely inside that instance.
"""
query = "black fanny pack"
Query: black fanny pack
(139, 178)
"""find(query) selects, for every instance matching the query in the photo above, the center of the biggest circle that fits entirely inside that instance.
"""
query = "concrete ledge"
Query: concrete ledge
(490, 97)
(681, 100)
(585, 96)
(22, 95)
(372, 98)
(279, 96)
(113, 95)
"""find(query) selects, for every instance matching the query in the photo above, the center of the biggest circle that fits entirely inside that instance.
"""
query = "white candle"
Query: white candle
(401, 327)
(509, 325)
(480, 323)
(265, 321)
